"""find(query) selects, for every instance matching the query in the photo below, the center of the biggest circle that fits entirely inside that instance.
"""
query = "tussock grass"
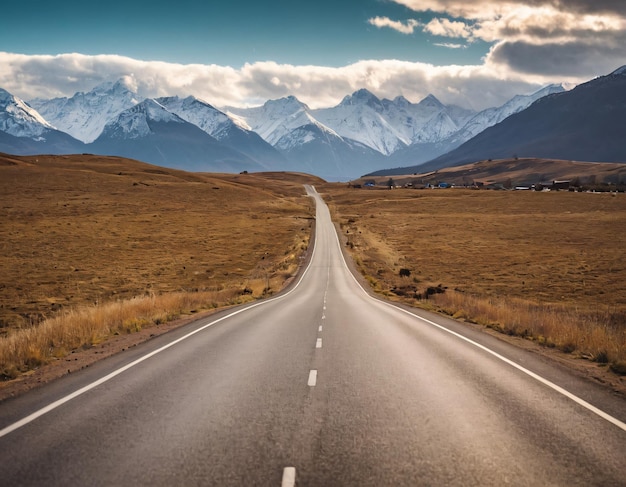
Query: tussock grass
(92, 246)
(83, 327)
(545, 266)
(596, 335)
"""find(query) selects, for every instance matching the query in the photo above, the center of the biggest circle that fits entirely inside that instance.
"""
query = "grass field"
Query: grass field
(547, 266)
(82, 234)
(93, 247)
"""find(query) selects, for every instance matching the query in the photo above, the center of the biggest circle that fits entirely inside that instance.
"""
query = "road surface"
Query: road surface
(321, 386)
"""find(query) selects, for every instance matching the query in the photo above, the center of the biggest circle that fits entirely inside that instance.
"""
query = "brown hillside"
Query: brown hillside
(79, 230)
(522, 171)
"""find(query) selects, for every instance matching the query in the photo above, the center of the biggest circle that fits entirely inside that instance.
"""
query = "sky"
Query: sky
(473, 53)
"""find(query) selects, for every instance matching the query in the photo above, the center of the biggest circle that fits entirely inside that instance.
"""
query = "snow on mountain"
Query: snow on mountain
(282, 134)
(20, 120)
(430, 121)
(208, 118)
(491, 116)
(360, 117)
(443, 133)
(228, 131)
(150, 133)
(584, 124)
(317, 150)
(276, 118)
(391, 125)
(135, 122)
(84, 115)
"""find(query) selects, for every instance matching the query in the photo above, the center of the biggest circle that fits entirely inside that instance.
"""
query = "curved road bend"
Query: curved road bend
(322, 386)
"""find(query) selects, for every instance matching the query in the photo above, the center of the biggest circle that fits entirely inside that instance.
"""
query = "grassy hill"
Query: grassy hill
(547, 266)
(83, 232)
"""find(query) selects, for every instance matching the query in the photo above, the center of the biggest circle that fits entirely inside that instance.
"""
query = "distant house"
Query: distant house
(560, 185)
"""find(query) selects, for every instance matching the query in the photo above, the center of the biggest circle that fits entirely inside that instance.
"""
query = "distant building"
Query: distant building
(560, 185)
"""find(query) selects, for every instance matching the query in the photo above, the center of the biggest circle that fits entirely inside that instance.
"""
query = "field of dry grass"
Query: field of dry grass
(547, 266)
(79, 234)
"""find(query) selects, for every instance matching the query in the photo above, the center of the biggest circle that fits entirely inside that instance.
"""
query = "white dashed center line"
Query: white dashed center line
(289, 477)
(318, 344)
(312, 378)
(320, 328)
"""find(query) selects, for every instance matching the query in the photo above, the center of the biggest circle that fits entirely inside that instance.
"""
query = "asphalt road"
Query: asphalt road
(321, 386)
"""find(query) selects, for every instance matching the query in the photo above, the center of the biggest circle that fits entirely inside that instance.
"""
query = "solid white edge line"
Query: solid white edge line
(46, 409)
(312, 378)
(289, 477)
(551, 385)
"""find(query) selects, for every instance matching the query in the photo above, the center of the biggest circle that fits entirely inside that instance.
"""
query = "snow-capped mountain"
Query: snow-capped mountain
(491, 116)
(309, 145)
(151, 133)
(24, 131)
(276, 118)
(360, 134)
(19, 119)
(219, 125)
(439, 137)
(360, 117)
(314, 149)
(583, 124)
(84, 115)
(391, 125)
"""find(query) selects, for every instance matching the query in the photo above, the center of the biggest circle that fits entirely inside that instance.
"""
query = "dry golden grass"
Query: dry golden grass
(544, 265)
(84, 237)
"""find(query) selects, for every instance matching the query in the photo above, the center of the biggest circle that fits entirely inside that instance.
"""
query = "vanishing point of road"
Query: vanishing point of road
(322, 385)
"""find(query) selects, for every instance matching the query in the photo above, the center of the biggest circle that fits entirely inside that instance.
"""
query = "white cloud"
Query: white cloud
(448, 28)
(472, 86)
(491, 9)
(450, 45)
(590, 34)
(407, 27)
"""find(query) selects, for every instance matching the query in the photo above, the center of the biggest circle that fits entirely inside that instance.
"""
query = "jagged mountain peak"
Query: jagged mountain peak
(121, 86)
(135, 122)
(186, 103)
(287, 103)
(401, 101)
(431, 101)
(362, 97)
(200, 113)
(154, 111)
(19, 119)
(85, 114)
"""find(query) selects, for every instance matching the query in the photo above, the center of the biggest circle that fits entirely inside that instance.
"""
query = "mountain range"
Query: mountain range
(362, 134)
(583, 124)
